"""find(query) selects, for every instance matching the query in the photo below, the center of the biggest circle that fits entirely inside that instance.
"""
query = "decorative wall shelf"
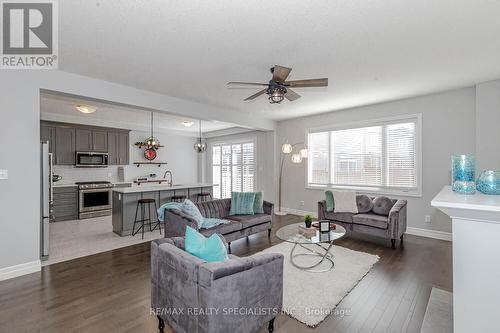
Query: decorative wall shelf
(144, 144)
(159, 164)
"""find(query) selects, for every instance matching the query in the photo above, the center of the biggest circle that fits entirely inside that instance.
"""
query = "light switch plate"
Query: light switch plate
(4, 174)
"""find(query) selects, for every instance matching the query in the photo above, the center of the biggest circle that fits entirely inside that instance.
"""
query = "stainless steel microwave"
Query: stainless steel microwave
(91, 160)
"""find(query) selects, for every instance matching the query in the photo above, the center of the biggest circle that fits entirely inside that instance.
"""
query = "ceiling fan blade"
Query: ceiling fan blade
(247, 84)
(263, 91)
(280, 73)
(307, 83)
(291, 95)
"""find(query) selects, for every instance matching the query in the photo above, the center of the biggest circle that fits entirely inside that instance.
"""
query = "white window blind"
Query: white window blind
(233, 168)
(379, 157)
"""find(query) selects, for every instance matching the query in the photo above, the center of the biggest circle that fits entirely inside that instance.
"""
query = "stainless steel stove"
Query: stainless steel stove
(95, 199)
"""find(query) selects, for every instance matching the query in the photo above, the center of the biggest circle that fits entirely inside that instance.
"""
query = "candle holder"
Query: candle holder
(463, 168)
(489, 182)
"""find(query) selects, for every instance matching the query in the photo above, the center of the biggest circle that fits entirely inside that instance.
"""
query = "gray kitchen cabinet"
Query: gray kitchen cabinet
(83, 139)
(48, 133)
(91, 140)
(65, 205)
(66, 139)
(113, 148)
(123, 148)
(118, 148)
(100, 141)
(65, 146)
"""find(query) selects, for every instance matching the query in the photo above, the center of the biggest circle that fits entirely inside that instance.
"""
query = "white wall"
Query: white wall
(448, 128)
(178, 153)
(487, 126)
(265, 159)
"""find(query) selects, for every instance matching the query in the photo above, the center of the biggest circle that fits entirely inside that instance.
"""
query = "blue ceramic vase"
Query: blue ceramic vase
(489, 182)
(463, 169)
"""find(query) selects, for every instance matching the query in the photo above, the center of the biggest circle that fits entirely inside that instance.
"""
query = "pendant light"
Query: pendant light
(200, 146)
(152, 142)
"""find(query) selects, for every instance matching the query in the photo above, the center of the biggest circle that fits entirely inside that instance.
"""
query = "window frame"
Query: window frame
(241, 141)
(387, 190)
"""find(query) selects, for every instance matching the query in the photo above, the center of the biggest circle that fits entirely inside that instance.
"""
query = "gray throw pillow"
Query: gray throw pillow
(382, 206)
(365, 204)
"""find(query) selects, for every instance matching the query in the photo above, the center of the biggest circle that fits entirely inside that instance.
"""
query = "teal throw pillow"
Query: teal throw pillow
(258, 205)
(189, 208)
(210, 249)
(330, 203)
(242, 203)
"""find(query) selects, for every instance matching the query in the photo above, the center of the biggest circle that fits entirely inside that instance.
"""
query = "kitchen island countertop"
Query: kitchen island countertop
(159, 187)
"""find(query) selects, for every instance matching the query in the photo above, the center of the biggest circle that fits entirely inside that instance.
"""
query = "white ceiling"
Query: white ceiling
(62, 108)
(371, 51)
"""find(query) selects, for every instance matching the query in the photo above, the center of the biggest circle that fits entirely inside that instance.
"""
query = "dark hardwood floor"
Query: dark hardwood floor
(110, 292)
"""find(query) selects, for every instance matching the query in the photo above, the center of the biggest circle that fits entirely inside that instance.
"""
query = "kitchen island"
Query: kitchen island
(125, 201)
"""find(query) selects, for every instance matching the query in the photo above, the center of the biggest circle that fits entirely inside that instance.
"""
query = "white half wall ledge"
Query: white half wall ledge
(428, 233)
(19, 270)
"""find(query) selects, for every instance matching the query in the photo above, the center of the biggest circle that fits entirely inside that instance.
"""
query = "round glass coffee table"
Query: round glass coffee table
(292, 233)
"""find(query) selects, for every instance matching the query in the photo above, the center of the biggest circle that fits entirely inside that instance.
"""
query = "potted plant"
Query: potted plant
(308, 220)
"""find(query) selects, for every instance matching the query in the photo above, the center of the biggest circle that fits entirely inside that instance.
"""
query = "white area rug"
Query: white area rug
(311, 297)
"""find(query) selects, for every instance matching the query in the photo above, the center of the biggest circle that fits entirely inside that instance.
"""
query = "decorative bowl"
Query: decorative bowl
(489, 182)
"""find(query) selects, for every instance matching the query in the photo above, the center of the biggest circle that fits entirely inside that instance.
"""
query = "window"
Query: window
(233, 168)
(380, 156)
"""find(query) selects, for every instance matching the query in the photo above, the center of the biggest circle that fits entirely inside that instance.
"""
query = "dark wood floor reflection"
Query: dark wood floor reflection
(110, 292)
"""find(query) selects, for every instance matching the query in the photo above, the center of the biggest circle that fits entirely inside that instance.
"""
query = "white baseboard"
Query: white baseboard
(429, 233)
(409, 230)
(18, 270)
(299, 212)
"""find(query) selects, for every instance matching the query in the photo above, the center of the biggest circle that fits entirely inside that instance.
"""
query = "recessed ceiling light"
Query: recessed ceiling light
(187, 123)
(85, 108)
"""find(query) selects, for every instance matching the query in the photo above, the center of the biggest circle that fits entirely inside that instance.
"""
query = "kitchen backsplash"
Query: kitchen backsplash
(71, 174)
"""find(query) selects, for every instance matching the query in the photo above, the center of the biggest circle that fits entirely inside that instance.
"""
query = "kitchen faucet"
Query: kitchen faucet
(170, 183)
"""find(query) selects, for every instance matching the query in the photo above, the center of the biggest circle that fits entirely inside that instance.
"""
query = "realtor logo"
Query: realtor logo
(29, 34)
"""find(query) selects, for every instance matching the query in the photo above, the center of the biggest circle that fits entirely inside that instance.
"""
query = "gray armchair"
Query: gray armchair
(235, 295)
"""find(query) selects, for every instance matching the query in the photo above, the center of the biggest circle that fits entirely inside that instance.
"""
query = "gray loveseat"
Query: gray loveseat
(193, 296)
(389, 221)
(240, 225)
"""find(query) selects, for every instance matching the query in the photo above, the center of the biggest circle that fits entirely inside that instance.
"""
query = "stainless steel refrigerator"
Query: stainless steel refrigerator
(46, 199)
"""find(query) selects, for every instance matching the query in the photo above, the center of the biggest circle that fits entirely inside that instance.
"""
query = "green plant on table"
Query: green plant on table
(308, 220)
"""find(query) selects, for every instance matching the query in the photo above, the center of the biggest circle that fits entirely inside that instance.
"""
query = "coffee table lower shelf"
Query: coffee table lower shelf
(322, 257)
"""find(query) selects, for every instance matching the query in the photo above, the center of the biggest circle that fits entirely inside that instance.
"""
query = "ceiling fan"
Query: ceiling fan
(278, 88)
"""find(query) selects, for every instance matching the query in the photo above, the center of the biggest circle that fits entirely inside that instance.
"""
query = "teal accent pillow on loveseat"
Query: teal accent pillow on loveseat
(210, 249)
(242, 203)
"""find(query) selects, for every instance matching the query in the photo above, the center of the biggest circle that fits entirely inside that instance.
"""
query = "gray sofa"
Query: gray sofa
(240, 225)
(235, 295)
(389, 221)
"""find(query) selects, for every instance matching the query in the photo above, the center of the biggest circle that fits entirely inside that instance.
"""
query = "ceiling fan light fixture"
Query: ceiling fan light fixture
(85, 108)
(187, 123)
(276, 94)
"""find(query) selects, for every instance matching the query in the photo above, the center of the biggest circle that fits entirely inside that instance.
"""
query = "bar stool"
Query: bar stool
(178, 198)
(203, 196)
(142, 203)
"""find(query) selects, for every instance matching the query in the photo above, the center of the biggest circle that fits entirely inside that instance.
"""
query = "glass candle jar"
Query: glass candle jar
(488, 182)
(463, 168)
